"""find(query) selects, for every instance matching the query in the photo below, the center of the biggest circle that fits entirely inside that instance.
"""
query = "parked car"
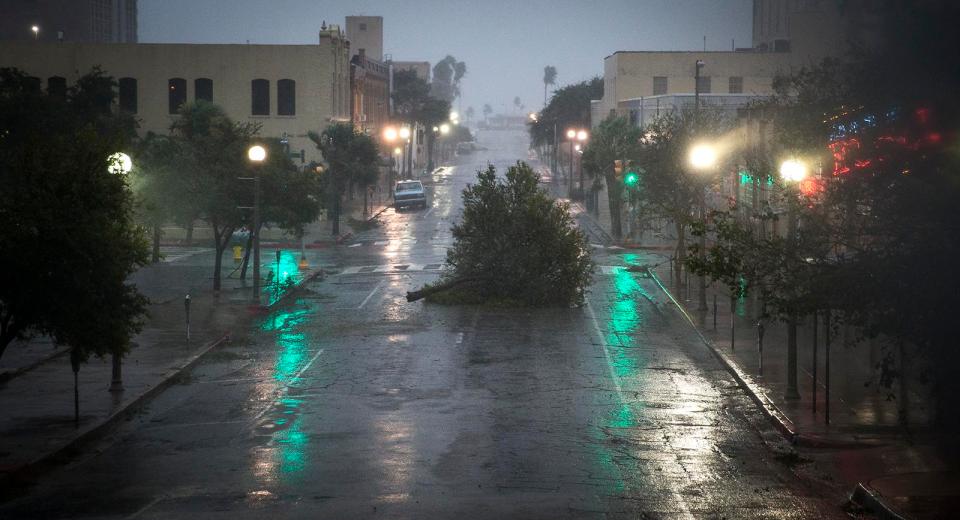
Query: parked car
(409, 193)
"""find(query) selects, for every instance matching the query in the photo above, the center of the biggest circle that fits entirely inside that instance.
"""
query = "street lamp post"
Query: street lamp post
(793, 172)
(256, 154)
(571, 135)
(390, 135)
(581, 136)
(702, 157)
(404, 134)
(117, 164)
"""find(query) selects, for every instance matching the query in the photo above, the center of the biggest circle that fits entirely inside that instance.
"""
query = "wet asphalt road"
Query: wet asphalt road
(353, 403)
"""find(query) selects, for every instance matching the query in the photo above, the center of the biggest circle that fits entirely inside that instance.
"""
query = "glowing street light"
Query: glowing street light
(532, 116)
(257, 153)
(404, 132)
(703, 156)
(444, 129)
(119, 164)
(454, 116)
(390, 134)
(36, 32)
(397, 151)
(571, 134)
(793, 170)
(582, 135)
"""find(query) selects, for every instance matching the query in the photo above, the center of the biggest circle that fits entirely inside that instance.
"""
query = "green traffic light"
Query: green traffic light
(631, 178)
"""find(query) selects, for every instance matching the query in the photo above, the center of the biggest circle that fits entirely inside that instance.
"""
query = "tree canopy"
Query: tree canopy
(515, 245)
(68, 242)
(569, 107)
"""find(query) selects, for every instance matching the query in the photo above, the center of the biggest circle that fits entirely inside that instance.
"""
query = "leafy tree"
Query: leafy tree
(881, 229)
(668, 187)
(433, 112)
(549, 78)
(487, 110)
(161, 194)
(447, 74)
(214, 156)
(614, 139)
(514, 245)
(68, 242)
(351, 156)
(470, 113)
(409, 95)
(569, 107)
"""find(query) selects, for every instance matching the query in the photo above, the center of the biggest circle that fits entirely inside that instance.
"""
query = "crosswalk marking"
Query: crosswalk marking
(439, 267)
(172, 254)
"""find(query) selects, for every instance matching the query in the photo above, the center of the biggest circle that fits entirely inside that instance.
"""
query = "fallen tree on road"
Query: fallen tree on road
(514, 246)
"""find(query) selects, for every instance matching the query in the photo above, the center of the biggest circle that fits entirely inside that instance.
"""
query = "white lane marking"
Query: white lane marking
(603, 345)
(616, 383)
(381, 242)
(358, 244)
(375, 289)
(181, 254)
(143, 509)
(427, 214)
(286, 387)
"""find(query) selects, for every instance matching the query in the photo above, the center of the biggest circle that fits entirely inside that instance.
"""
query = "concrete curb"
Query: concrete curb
(776, 417)
(96, 431)
(870, 499)
(780, 421)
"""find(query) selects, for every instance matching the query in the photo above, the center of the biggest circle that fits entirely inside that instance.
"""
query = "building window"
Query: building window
(203, 89)
(703, 84)
(127, 95)
(736, 84)
(57, 86)
(781, 45)
(363, 27)
(176, 94)
(260, 97)
(287, 97)
(659, 85)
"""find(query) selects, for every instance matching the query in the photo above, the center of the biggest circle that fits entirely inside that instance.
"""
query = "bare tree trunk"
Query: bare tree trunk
(189, 239)
(221, 237)
(615, 198)
(75, 365)
(155, 254)
(681, 254)
(246, 257)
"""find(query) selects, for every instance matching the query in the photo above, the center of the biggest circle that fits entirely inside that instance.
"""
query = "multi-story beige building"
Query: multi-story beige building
(288, 90)
(787, 34)
(630, 76)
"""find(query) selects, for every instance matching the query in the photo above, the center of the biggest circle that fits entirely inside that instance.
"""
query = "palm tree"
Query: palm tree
(549, 78)
(487, 110)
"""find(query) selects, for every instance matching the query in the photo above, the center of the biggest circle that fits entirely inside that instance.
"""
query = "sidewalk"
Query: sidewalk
(38, 429)
(893, 472)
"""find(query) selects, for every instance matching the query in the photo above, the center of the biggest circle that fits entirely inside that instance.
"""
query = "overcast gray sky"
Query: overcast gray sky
(505, 43)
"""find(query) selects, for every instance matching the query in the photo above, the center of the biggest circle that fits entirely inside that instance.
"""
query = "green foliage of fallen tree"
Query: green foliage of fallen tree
(515, 246)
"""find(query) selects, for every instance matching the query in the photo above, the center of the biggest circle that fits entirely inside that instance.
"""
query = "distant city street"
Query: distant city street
(349, 402)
